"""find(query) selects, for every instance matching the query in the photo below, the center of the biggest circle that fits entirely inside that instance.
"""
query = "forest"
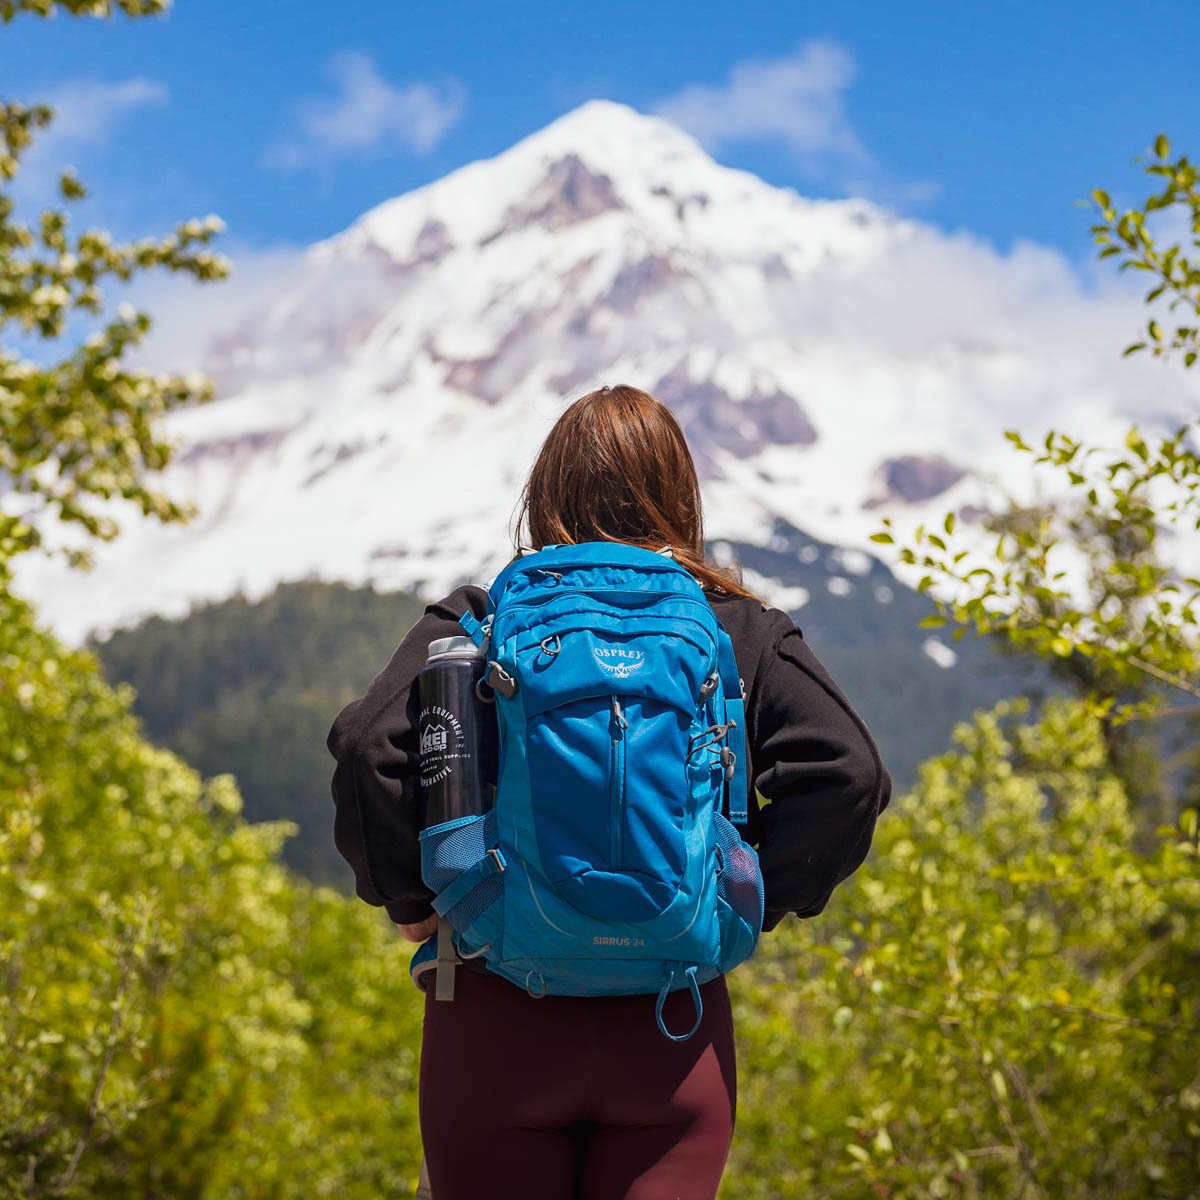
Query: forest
(250, 689)
(1002, 1002)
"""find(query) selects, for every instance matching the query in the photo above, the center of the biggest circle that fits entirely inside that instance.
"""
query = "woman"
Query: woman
(564, 1097)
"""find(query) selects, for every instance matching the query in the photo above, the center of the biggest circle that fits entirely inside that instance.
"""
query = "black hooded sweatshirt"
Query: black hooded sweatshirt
(816, 781)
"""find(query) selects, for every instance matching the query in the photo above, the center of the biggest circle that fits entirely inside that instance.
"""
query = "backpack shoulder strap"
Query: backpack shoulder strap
(735, 710)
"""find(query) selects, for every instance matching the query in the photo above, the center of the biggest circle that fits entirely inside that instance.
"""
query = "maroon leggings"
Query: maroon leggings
(575, 1098)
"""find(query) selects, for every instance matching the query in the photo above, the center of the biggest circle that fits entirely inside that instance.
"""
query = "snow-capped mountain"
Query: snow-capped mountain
(830, 362)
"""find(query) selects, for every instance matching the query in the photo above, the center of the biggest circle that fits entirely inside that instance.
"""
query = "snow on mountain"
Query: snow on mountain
(830, 362)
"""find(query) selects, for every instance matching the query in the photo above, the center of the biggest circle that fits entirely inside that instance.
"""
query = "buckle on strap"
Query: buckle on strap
(499, 680)
(492, 863)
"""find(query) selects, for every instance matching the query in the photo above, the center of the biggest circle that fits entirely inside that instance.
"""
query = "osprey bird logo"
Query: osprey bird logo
(619, 661)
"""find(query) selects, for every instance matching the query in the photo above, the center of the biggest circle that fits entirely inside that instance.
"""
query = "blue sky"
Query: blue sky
(290, 119)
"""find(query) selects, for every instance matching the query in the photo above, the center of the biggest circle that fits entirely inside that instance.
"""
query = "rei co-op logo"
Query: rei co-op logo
(441, 744)
(618, 661)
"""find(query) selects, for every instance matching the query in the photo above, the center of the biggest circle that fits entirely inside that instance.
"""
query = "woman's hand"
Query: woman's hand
(419, 932)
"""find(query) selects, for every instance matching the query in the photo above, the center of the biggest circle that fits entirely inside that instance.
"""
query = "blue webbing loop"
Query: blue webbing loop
(662, 999)
(735, 709)
(491, 863)
(473, 626)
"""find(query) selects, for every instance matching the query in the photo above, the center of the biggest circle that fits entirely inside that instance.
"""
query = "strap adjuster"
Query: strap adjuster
(499, 680)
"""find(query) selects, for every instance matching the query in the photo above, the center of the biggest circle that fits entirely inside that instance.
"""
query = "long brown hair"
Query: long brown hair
(616, 467)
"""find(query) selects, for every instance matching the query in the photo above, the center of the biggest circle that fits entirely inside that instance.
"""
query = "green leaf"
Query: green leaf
(1162, 147)
(1133, 440)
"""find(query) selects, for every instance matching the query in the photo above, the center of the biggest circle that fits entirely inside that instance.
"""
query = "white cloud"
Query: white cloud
(187, 314)
(368, 113)
(800, 100)
(86, 111)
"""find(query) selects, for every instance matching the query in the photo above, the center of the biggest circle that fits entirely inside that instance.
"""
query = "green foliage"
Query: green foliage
(82, 8)
(180, 1015)
(1127, 639)
(1004, 1002)
(252, 688)
(1009, 999)
(77, 434)
(1138, 616)
(1141, 618)
(1127, 236)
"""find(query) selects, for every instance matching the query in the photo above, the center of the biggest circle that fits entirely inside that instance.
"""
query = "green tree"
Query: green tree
(1129, 641)
(1002, 1001)
(81, 432)
(251, 688)
(179, 1016)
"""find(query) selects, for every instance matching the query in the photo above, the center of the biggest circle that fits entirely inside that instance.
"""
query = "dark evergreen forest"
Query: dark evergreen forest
(252, 688)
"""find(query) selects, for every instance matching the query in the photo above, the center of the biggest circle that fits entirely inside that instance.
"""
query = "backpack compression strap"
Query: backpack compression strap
(735, 710)
(476, 628)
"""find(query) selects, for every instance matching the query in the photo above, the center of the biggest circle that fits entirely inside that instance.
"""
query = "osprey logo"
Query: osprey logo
(618, 661)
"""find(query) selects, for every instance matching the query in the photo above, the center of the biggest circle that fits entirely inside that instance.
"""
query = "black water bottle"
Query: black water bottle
(457, 732)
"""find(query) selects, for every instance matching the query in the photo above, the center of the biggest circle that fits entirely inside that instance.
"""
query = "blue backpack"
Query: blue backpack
(606, 866)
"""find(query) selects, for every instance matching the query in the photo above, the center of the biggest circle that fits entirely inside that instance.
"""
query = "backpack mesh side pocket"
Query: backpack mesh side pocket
(447, 850)
(739, 879)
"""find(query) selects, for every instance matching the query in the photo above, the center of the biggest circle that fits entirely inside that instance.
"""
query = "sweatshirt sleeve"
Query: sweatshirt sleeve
(815, 762)
(376, 794)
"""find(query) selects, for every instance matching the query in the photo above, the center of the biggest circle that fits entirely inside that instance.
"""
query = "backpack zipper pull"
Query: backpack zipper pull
(618, 715)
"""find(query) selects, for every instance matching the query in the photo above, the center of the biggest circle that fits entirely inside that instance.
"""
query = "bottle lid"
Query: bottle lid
(453, 647)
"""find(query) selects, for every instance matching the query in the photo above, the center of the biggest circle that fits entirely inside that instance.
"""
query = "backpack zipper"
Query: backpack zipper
(598, 593)
(701, 625)
(617, 815)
